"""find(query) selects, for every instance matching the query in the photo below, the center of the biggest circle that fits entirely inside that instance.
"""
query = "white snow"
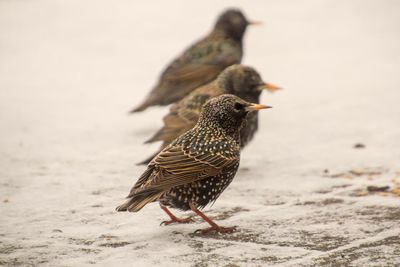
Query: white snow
(70, 70)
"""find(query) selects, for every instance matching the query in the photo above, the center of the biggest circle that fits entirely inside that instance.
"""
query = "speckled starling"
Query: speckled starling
(239, 80)
(196, 167)
(201, 62)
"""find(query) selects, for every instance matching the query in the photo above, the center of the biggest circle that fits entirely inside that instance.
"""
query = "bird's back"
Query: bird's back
(184, 114)
(199, 64)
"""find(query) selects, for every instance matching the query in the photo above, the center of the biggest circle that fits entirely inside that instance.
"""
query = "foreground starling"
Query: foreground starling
(239, 80)
(196, 167)
(202, 62)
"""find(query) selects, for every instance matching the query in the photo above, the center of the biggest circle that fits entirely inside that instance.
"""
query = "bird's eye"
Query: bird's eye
(238, 106)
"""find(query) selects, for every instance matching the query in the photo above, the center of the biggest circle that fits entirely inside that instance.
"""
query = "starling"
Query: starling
(239, 80)
(201, 62)
(196, 167)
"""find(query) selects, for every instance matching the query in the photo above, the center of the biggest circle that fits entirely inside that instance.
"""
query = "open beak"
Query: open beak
(255, 107)
(270, 87)
(254, 22)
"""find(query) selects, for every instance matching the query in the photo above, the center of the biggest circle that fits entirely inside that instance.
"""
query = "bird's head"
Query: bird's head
(244, 82)
(233, 23)
(227, 112)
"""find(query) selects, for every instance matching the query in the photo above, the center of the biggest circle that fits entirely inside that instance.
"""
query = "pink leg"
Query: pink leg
(174, 219)
(214, 227)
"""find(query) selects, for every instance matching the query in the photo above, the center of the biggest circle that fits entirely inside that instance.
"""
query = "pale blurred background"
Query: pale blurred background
(71, 70)
(66, 65)
(77, 61)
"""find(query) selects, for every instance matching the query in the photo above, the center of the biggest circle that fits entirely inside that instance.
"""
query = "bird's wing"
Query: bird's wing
(188, 72)
(174, 166)
(201, 59)
(199, 64)
(150, 173)
(184, 114)
(178, 166)
(190, 108)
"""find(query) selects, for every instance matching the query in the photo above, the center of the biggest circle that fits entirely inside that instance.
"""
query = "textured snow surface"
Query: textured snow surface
(70, 70)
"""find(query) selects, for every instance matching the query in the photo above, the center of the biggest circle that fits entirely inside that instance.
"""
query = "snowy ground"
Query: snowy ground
(70, 70)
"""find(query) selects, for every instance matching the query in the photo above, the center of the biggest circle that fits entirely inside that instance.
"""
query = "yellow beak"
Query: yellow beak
(255, 107)
(270, 87)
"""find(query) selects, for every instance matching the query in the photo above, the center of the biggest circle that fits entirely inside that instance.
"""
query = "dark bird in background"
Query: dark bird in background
(201, 62)
(196, 167)
(242, 81)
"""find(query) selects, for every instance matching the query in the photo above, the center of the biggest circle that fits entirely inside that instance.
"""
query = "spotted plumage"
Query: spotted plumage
(242, 81)
(201, 62)
(196, 167)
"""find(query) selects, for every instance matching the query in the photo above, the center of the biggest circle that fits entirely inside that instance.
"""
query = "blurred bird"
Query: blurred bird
(196, 167)
(242, 81)
(201, 62)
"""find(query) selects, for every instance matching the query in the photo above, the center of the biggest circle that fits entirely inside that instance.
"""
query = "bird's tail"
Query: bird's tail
(140, 108)
(151, 100)
(156, 137)
(139, 200)
(147, 160)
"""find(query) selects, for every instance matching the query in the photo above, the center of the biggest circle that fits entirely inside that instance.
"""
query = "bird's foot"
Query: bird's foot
(216, 229)
(177, 220)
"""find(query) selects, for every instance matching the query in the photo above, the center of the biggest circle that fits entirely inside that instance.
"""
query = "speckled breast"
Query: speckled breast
(201, 192)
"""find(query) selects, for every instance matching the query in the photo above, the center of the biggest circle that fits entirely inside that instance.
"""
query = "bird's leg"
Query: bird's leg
(214, 227)
(174, 219)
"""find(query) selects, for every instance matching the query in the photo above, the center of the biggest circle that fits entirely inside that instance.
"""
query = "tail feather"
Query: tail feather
(147, 160)
(151, 100)
(141, 107)
(138, 201)
(155, 98)
(156, 137)
(173, 126)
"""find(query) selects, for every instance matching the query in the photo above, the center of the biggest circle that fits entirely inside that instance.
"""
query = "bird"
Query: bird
(202, 61)
(196, 167)
(240, 80)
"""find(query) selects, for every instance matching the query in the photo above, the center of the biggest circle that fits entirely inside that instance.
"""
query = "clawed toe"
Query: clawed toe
(177, 220)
